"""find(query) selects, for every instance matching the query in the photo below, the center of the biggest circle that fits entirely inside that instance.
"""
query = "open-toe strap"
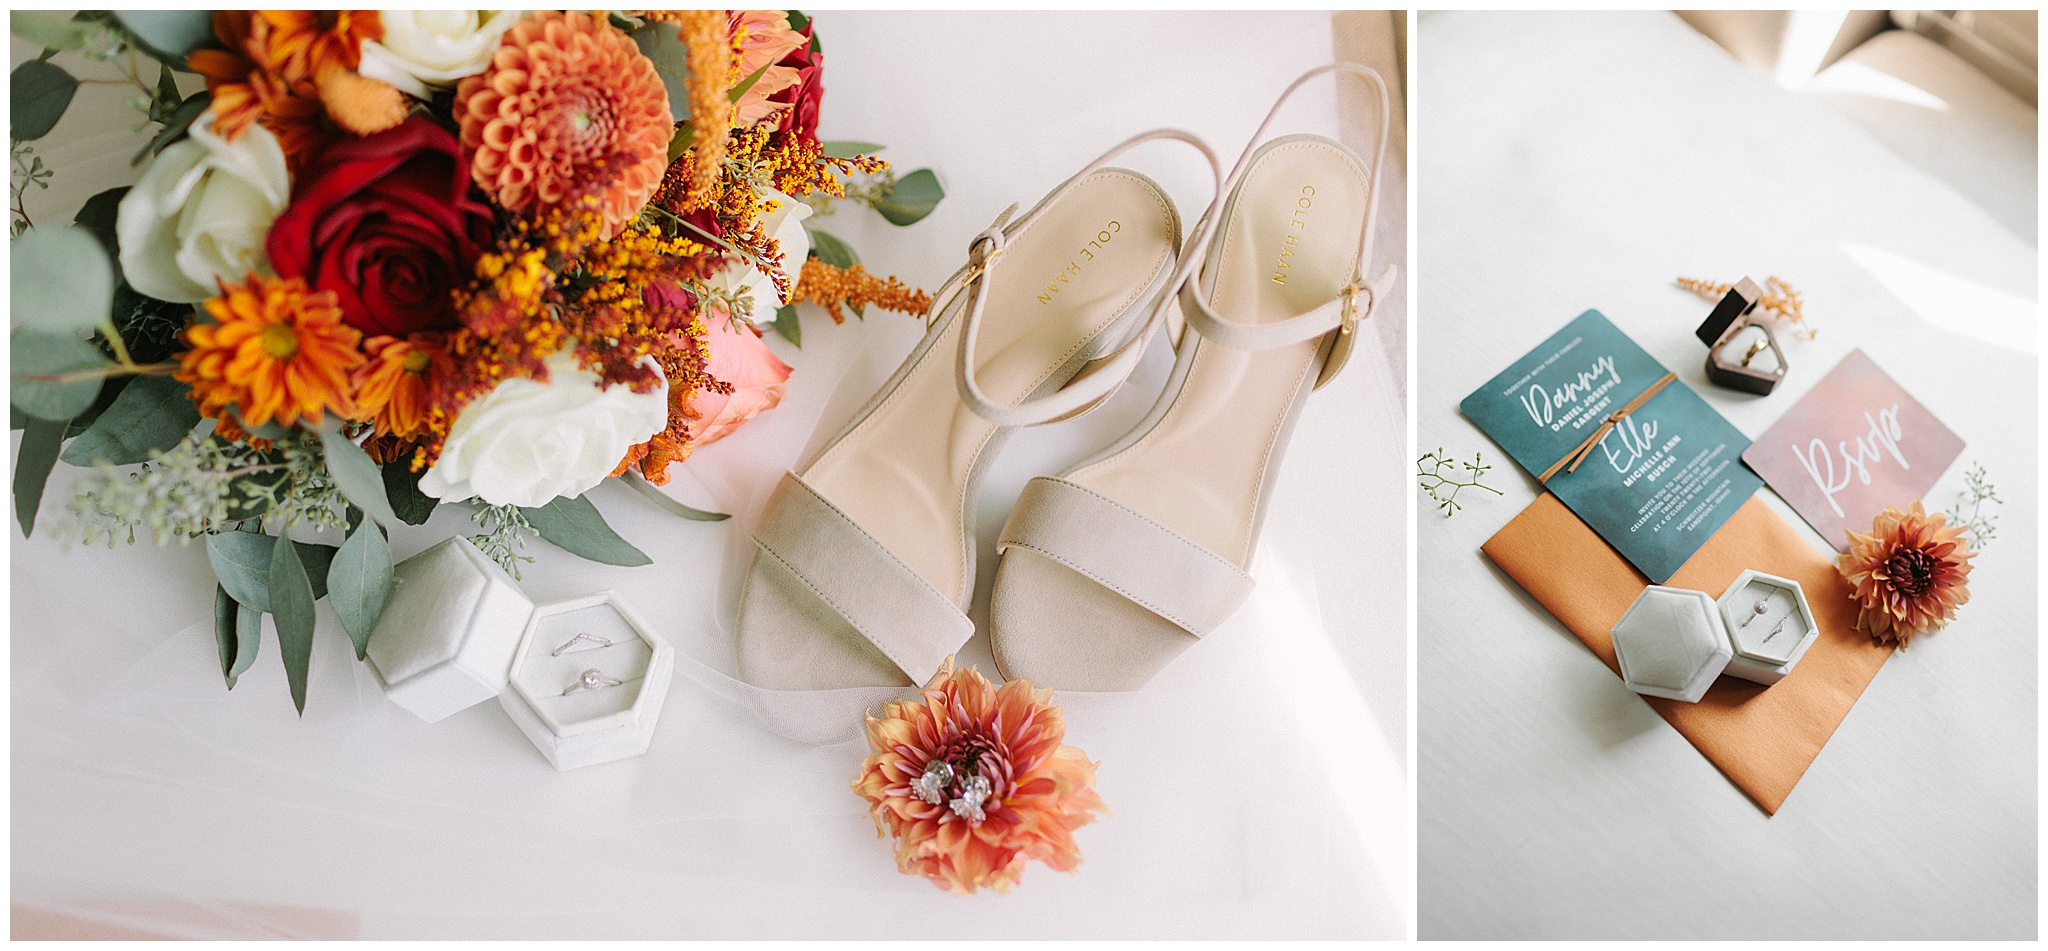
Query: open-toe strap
(1151, 565)
(848, 570)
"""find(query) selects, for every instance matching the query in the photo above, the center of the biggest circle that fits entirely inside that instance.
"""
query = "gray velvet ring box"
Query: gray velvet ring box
(457, 631)
(1671, 643)
(1767, 644)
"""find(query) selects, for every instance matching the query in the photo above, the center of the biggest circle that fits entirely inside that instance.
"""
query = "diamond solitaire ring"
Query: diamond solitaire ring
(592, 679)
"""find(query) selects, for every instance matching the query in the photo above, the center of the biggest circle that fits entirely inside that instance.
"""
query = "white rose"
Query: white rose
(201, 213)
(423, 48)
(786, 225)
(526, 442)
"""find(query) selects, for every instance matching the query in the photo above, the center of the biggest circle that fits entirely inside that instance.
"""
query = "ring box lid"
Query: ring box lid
(1671, 643)
(636, 655)
(418, 632)
(1750, 633)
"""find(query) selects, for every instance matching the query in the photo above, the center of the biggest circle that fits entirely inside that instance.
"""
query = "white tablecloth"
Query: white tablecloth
(1568, 162)
(1257, 785)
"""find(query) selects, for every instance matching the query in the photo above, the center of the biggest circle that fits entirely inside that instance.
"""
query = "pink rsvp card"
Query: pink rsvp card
(1854, 444)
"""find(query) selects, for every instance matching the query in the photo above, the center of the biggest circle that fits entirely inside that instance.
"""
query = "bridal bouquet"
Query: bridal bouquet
(386, 261)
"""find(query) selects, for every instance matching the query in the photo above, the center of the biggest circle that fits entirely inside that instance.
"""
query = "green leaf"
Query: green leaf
(16, 419)
(575, 526)
(787, 324)
(65, 280)
(739, 91)
(42, 365)
(164, 103)
(181, 120)
(661, 44)
(402, 489)
(50, 31)
(831, 250)
(39, 92)
(850, 149)
(680, 142)
(224, 611)
(359, 581)
(169, 35)
(248, 638)
(98, 215)
(357, 477)
(674, 507)
(151, 413)
(913, 197)
(291, 603)
(39, 442)
(241, 562)
(797, 20)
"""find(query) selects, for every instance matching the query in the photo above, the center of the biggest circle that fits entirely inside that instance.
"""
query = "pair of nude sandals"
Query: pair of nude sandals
(865, 562)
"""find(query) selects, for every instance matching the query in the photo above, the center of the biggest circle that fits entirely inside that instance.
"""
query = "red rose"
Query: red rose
(387, 222)
(801, 117)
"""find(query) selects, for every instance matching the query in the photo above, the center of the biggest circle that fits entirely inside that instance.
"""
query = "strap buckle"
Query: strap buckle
(1348, 324)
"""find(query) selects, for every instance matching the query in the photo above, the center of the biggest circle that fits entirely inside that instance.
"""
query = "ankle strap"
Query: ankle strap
(1342, 313)
(1099, 377)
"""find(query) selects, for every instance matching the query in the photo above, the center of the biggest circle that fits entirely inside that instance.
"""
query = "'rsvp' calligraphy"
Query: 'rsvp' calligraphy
(1819, 462)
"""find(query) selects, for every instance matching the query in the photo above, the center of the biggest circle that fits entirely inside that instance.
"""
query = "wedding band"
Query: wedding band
(592, 679)
(1780, 629)
(571, 642)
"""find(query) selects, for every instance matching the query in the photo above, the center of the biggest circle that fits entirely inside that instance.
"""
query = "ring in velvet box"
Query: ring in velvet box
(1769, 623)
(457, 631)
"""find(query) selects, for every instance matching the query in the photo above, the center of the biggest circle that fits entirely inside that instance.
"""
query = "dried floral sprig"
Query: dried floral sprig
(504, 535)
(1980, 525)
(1780, 301)
(1440, 479)
(835, 288)
(28, 170)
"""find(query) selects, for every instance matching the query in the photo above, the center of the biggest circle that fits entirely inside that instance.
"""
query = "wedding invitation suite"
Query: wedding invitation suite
(1657, 482)
(1855, 443)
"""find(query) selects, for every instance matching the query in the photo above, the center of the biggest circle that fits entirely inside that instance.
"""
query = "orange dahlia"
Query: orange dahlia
(569, 107)
(973, 781)
(395, 387)
(277, 350)
(278, 67)
(1910, 573)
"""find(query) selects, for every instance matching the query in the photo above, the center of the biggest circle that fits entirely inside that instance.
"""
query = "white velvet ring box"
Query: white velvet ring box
(1671, 643)
(448, 630)
(1769, 624)
(588, 680)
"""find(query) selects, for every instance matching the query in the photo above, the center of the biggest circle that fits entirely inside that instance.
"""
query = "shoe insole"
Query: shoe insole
(903, 472)
(1289, 245)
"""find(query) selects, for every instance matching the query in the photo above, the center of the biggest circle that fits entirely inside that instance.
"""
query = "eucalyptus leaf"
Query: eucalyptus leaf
(63, 280)
(913, 197)
(291, 604)
(151, 413)
(359, 581)
(658, 497)
(42, 380)
(224, 611)
(831, 250)
(849, 149)
(39, 442)
(357, 477)
(97, 216)
(402, 490)
(787, 324)
(248, 638)
(664, 47)
(241, 562)
(180, 120)
(49, 30)
(39, 92)
(16, 419)
(575, 526)
(169, 35)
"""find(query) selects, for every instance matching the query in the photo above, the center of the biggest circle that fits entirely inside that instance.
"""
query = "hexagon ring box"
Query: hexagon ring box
(1671, 643)
(588, 681)
(1769, 626)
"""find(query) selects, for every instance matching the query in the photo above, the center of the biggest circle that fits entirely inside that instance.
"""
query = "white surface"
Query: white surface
(1575, 161)
(1257, 784)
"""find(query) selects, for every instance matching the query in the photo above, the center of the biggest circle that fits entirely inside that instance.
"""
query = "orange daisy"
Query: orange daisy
(974, 781)
(569, 107)
(278, 67)
(1911, 573)
(276, 350)
(394, 388)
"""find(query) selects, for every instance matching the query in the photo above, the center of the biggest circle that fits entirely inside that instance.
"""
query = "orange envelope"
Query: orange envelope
(1762, 738)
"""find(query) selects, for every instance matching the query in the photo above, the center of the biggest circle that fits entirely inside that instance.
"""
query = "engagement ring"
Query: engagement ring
(592, 679)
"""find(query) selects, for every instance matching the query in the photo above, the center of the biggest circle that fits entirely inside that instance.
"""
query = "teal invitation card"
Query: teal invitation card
(1658, 483)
